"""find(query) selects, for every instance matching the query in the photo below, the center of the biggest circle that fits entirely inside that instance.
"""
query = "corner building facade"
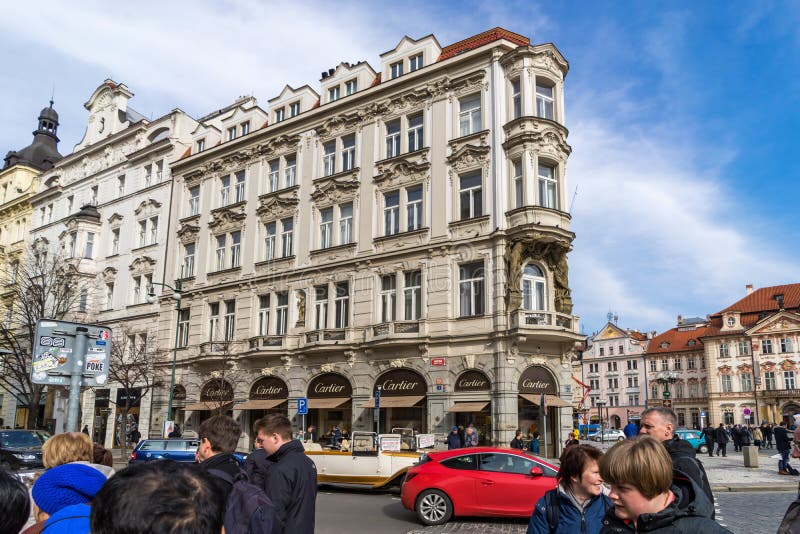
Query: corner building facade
(405, 228)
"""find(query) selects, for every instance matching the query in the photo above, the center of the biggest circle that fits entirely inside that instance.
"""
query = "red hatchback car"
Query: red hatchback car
(478, 481)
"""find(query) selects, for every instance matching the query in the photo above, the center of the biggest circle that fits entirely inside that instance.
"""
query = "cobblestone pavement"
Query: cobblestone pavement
(753, 513)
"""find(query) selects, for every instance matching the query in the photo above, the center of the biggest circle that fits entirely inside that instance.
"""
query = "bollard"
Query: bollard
(750, 454)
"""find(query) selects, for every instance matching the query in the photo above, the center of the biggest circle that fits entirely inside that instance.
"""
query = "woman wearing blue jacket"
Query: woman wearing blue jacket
(578, 503)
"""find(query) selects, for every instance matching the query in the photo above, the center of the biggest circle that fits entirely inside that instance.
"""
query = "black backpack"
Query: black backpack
(249, 510)
(552, 509)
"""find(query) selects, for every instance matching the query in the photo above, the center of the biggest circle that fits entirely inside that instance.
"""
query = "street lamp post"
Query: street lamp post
(600, 404)
(666, 378)
(176, 294)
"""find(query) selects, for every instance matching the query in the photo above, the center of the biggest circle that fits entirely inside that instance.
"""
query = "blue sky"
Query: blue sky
(682, 117)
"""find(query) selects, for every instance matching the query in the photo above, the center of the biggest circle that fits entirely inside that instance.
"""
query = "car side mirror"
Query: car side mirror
(536, 471)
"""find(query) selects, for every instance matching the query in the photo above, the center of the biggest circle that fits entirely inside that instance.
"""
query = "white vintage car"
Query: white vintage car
(369, 459)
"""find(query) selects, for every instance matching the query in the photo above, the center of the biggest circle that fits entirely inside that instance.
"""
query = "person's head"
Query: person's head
(102, 456)
(15, 504)
(659, 422)
(273, 430)
(310, 428)
(784, 423)
(159, 497)
(65, 448)
(454, 430)
(639, 472)
(518, 434)
(65, 485)
(217, 434)
(579, 471)
(470, 430)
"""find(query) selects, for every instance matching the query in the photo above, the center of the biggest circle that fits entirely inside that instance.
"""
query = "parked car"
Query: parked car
(608, 435)
(20, 449)
(695, 439)
(178, 449)
(478, 481)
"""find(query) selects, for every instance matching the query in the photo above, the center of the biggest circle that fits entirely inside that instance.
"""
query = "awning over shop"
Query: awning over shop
(395, 402)
(263, 404)
(208, 405)
(463, 407)
(327, 403)
(549, 400)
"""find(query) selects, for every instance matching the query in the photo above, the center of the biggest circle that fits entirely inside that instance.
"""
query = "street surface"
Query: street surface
(356, 512)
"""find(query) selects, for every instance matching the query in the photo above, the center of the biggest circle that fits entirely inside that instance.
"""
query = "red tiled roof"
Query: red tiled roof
(316, 105)
(186, 154)
(763, 299)
(678, 340)
(377, 80)
(637, 335)
(476, 41)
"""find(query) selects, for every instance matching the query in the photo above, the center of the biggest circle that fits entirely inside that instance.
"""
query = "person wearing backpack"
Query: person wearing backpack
(577, 505)
(291, 478)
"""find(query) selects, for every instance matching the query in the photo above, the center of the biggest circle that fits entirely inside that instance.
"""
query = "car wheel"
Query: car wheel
(702, 449)
(620, 438)
(434, 507)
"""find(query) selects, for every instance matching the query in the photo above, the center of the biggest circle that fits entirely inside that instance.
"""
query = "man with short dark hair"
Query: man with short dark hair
(163, 496)
(291, 478)
(660, 423)
(783, 442)
(219, 436)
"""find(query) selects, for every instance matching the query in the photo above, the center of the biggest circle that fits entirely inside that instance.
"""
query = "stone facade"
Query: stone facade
(407, 230)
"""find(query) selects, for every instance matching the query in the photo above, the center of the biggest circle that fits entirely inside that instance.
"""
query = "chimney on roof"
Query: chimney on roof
(330, 72)
(680, 319)
(748, 289)
(651, 335)
(324, 74)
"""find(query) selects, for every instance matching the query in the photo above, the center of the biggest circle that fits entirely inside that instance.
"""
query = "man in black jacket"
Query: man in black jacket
(291, 478)
(708, 434)
(783, 442)
(721, 436)
(218, 438)
(660, 423)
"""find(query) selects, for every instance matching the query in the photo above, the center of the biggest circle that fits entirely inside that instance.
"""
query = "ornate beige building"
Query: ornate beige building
(404, 228)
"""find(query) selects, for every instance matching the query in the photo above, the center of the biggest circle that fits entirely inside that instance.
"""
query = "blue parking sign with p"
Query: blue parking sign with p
(302, 406)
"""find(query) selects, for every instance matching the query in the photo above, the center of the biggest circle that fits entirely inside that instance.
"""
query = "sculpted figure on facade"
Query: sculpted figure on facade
(554, 255)
(301, 308)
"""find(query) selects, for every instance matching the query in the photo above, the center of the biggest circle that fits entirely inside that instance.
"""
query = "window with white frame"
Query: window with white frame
(547, 186)
(294, 109)
(120, 186)
(766, 346)
(395, 70)
(231, 133)
(321, 307)
(273, 175)
(391, 213)
(230, 319)
(724, 351)
(788, 380)
(213, 321)
(471, 283)
(329, 158)
(770, 384)
(194, 200)
(692, 390)
(326, 228)
(143, 233)
(746, 380)
(519, 183)
(412, 295)
(413, 208)
(137, 295)
(727, 386)
(469, 115)
(290, 170)
(393, 138)
(239, 187)
(533, 288)
(676, 364)
(415, 62)
(109, 296)
(544, 100)
(333, 94)
(345, 223)
(153, 223)
(159, 171)
(743, 348)
(187, 269)
(83, 300)
(342, 305)
(516, 99)
(388, 297)
(88, 249)
(224, 190)
(14, 272)
(348, 152)
(219, 263)
(282, 313)
(73, 244)
(653, 366)
(654, 391)
(263, 315)
(183, 328)
(200, 145)
(786, 344)
(269, 240)
(115, 241)
(245, 128)
(279, 114)
(633, 381)
(633, 400)
(415, 132)
(470, 195)
(350, 87)
(236, 246)
(287, 233)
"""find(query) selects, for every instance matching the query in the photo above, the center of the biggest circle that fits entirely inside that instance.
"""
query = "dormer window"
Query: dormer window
(350, 87)
(415, 63)
(333, 94)
(692, 343)
(396, 69)
(279, 115)
(730, 321)
(200, 145)
(245, 127)
(664, 345)
(294, 109)
(231, 133)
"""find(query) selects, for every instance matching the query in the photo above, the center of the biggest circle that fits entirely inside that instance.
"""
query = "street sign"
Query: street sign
(438, 362)
(302, 406)
(746, 411)
(667, 394)
(378, 398)
(55, 353)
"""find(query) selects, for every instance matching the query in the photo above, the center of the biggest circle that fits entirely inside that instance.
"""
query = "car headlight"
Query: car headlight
(25, 456)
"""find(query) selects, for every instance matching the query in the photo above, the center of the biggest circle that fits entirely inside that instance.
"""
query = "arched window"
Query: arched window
(533, 288)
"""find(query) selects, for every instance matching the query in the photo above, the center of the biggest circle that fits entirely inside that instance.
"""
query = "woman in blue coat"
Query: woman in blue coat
(578, 504)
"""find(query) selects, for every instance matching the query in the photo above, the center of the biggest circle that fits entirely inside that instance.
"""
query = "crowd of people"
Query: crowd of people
(460, 437)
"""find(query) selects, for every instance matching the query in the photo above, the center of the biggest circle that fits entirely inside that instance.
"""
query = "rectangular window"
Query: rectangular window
(747, 381)
(692, 389)
(236, 244)
(187, 270)
(744, 348)
(88, 250)
(415, 63)
(547, 186)
(788, 380)
(766, 346)
(220, 253)
(654, 391)
(621, 349)
(183, 328)
(230, 319)
(231, 133)
(727, 387)
(142, 233)
(115, 241)
(469, 115)
(239, 192)
(676, 364)
(665, 365)
(321, 307)
(610, 351)
(393, 138)
(396, 69)
(263, 315)
(120, 186)
(633, 400)
(194, 200)
(109, 295)
(350, 87)
(702, 362)
(519, 185)
(544, 101)
(633, 381)
(724, 351)
(471, 195)
(269, 241)
(414, 208)
(412, 296)
(329, 158)
(224, 190)
(137, 289)
(415, 133)
(786, 345)
(769, 381)
(200, 145)
(286, 236)
(653, 366)
(153, 230)
(282, 313)
(388, 297)
(213, 323)
(326, 228)
(245, 127)
(690, 364)
(602, 351)
(333, 94)
(516, 99)
(294, 109)
(279, 114)
(342, 304)
(345, 224)
(471, 289)
(272, 176)
(391, 213)
(348, 152)
(290, 171)
(83, 300)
